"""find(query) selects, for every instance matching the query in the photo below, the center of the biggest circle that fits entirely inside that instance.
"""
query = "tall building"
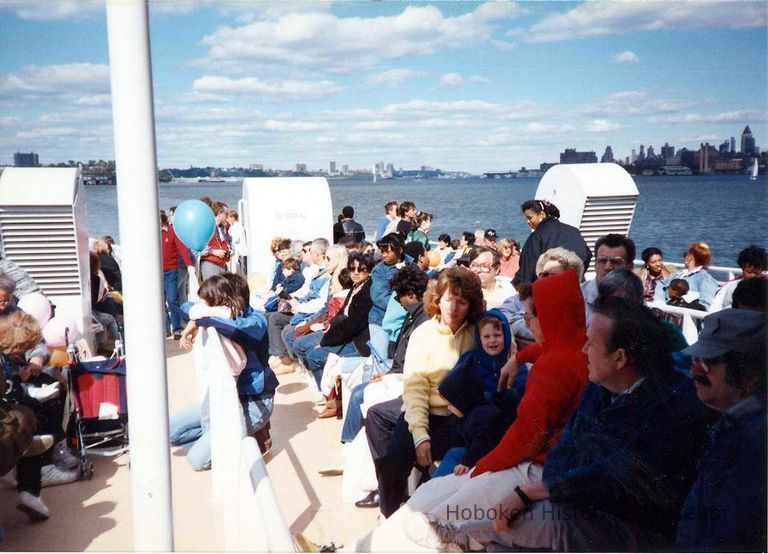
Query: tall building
(301, 168)
(651, 154)
(345, 169)
(607, 155)
(747, 142)
(723, 148)
(633, 157)
(733, 145)
(641, 156)
(256, 167)
(571, 156)
(332, 168)
(24, 159)
(668, 153)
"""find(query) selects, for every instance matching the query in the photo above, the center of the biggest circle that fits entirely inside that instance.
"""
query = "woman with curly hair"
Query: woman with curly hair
(426, 429)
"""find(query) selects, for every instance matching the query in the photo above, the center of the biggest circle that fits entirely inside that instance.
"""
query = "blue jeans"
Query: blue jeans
(302, 345)
(353, 418)
(192, 425)
(317, 357)
(289, 336)
(171, 287)
(451, 459)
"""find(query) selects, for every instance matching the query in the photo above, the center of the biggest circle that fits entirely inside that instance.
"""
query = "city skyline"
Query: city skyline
(461, 86)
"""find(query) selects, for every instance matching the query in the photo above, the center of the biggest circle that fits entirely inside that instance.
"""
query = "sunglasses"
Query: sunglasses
(615, 260)
(358, 269)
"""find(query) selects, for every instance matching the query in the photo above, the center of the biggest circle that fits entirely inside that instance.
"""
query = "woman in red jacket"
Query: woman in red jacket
(555, 314)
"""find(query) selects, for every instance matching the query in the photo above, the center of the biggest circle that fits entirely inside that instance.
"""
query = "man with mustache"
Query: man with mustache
(726, 507)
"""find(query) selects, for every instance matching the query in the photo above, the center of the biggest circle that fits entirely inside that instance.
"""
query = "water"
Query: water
(728, 212)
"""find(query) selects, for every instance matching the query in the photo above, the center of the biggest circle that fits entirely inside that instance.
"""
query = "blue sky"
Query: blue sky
(458, 85)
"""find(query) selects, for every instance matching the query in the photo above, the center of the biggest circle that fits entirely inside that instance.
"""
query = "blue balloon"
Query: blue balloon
(194, 224)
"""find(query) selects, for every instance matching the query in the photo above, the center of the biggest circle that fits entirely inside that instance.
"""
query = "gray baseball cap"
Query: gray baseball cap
(729, 330)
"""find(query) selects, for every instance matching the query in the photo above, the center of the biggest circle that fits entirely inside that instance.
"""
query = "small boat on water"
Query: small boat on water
(753, 171)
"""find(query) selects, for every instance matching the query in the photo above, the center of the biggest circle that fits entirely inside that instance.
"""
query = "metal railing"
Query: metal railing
(251, 515)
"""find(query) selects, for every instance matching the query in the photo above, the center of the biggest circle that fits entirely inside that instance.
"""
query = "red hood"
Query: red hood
(560, 309)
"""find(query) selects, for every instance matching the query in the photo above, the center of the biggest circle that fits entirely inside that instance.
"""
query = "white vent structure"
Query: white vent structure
(43, 228)
(295, 207)
(595, 198)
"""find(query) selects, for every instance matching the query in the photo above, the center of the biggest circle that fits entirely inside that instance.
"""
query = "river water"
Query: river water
(728, 212)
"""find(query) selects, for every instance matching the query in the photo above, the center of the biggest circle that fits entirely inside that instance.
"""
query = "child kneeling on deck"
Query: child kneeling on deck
(224, 307)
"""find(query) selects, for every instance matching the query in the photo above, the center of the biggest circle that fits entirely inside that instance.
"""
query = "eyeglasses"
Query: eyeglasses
(528, 317)
(481, 268)
(615, 260)
(705, 364)
(358, 269)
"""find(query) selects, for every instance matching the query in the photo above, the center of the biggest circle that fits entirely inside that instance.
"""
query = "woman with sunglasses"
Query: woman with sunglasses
(548, 232)
(347, 332)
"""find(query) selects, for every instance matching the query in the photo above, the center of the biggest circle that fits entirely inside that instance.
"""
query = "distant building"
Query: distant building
(723, 148)
(668, 152)
(607, 155)
(545, 166)
(23, 159)
(332, 168)
(571, 156)
(345, 169)
(747, 142)
(633, 156)
(641, 156)
(733, 145)
(651, 154)
(256, 167)
(301, 168)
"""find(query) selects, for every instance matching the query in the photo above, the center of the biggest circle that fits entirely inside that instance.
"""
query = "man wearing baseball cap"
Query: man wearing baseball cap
(490, 238)
(726, 507)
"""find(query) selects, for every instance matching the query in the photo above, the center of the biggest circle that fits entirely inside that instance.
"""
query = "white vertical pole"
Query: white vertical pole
(138, 209)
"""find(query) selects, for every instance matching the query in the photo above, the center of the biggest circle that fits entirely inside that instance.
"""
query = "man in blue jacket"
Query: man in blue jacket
(617, 479)
(726, 508)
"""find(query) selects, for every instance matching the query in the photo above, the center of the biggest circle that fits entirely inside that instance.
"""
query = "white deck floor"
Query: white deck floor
(96, 515)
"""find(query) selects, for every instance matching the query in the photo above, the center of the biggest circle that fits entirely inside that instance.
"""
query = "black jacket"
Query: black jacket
(415, 317)
(348, 227)
(111, 271)
(354, 327)
(549, 234)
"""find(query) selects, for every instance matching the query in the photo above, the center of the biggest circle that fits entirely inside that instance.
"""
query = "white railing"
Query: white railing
(690, 319)
(251, 515)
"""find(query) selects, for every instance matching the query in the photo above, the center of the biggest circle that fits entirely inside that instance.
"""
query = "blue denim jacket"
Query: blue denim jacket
(725, 510)
(632, 456)
(699, 281)
(380, 291)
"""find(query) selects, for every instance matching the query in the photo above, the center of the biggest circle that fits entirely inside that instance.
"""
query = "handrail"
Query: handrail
(251, 515)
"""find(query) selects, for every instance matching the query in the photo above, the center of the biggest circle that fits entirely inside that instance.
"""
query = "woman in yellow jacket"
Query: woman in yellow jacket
(426, 429)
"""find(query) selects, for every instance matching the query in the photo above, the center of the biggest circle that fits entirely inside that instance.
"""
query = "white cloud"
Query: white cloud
(626, 57)
(94, 100)
(376, 125)
(341, 44)
(601, 126)
(393, 77)
(296, 126)
(53, 9)
(592, 19)
(535, 127)
(634, 103)
(699, 139)
(451, 79)
(47, 132)
(59, 80)
(290, 89)
(738, 116)
(478, 79)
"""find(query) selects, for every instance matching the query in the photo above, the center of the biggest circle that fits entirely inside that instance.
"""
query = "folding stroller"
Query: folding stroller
(100, 409)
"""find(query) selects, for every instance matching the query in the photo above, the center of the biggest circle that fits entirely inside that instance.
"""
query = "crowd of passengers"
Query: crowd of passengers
(539, 409)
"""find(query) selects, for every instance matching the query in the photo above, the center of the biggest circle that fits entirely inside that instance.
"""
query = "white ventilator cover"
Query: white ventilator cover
(44, 229)
(595, 198)
(298, 208)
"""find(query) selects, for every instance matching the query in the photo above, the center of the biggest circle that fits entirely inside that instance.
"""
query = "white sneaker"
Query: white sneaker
(50, 476)
(63, 458)
(436, 534)
(273, 361)
(33, 506)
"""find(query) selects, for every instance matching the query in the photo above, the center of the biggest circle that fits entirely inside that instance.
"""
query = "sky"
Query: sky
(463, 86)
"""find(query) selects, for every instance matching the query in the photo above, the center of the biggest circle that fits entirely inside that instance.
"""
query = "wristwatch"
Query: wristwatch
(524, 497)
